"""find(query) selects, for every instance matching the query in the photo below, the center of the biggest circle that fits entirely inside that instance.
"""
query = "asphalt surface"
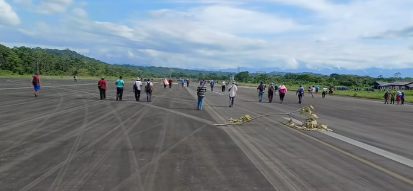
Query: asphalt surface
(68, 139)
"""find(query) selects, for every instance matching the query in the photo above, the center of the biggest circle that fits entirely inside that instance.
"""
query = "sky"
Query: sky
(219, 34)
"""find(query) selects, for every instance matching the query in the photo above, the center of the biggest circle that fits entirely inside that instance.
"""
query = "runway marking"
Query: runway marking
(372, 149)
(45, 86)
(219, 93)
(391, 173)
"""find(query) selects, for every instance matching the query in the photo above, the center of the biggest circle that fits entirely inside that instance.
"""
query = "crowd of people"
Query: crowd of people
(398, 96)
(390, 97)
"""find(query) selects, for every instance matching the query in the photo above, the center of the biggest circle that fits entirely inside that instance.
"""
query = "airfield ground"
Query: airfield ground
(68, 139)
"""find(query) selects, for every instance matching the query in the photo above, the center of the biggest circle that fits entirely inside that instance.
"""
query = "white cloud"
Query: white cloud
(46, 7)
(225, 35)
(7, 15)
(80, 12)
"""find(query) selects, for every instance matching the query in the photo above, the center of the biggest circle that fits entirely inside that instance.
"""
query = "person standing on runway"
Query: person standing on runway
(137, 88)
(149, 90)
(313, 91)
(232, 93)
(170, 83)
(392, 97)
(223, 86)
(165, 83)
(187, 82)
(102, 88)
(386, 97)
(300, 93)
(119, 88)
(200, 92)
(283, 91)
(324, 92)
(403, 97)
(212, 85)
(260, 90)
(36, 84)
(271, 91)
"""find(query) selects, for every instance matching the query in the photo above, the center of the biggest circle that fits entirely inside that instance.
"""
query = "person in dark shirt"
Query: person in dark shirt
(201, 94)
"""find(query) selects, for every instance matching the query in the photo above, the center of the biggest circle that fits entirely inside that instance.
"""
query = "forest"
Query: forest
(52, 62)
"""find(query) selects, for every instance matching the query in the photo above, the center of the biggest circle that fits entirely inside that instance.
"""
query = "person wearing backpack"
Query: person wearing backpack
(36, 84)
(149, 90)
(119, 88)
(300, 93)
(271, 91)
(260, 90)
(137, 88)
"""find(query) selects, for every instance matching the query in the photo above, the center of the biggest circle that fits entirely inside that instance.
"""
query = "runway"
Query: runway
(68, 139)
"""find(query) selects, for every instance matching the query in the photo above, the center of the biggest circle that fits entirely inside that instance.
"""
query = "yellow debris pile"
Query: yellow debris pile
(309, 124)
(244, 119)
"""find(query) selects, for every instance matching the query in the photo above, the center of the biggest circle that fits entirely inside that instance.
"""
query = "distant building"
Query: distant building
(394, 85)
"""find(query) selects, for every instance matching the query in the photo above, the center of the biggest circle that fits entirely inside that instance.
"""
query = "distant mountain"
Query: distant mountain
(373, 72)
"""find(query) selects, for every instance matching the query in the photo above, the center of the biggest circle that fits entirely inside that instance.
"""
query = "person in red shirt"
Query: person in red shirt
(170, 83)
(102, 88)
(36, 83)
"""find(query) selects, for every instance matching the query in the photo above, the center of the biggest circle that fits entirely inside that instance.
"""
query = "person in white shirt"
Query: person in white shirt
(232, 92)
(137, 88)
(223, 86)
(312, 91)
(324, 92)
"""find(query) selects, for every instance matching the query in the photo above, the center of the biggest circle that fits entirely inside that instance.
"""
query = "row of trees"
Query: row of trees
(315, 79)
(52, 62)
(24, 60)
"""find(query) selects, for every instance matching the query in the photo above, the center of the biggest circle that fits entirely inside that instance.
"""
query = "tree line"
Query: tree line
(52, 62)
(332, 80)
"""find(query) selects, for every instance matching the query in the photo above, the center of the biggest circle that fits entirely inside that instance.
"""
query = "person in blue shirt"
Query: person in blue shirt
(403, 97)
(212, 85)
(119, 88)
(183, 82)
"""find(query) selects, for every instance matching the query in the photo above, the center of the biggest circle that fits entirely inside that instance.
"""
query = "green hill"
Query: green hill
(53, 62)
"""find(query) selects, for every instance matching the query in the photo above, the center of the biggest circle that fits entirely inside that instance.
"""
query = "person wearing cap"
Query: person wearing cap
(232, 93)
(119, 88)
(137, 88)
(36, 84)
(102, 88)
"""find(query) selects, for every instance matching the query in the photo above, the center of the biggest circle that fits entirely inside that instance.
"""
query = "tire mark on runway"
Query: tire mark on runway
(44, 147)
(150, 176)
(67, 136)
(146, 166)
(55, 168)
(92, 167)
(102, 154)
(261, 162)
(24, 136)
(74, 148)
(14, 124)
